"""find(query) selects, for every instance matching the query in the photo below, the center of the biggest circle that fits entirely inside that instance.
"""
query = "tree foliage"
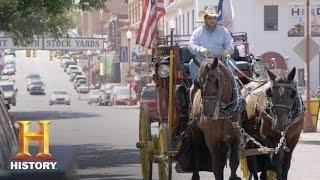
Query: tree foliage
(23, 19)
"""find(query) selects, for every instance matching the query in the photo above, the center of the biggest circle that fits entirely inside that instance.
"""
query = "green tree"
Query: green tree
(23, 19)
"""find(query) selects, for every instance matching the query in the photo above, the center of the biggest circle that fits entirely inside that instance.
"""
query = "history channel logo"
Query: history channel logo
(24, 160)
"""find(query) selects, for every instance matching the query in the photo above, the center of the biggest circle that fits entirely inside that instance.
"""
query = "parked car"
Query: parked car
(64, 59)
(9, 69)
(36, 87)
(122, 96)
(72, 68)
(11, 66)
(59, 97)
(9, 52)
(94, 96)
(67, 64)
(113, 92)
(80, 82)
(74, 74)
(77, 78)
(83, 89)
(106, 93)
(9, 59)
(9, 92)
(148, 99)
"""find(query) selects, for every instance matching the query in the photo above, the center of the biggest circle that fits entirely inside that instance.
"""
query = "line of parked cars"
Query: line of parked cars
(7, 85)
(75, 75)
(117, 94)
(8, 62)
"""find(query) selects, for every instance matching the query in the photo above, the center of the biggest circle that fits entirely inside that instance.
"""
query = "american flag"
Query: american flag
(153, 10)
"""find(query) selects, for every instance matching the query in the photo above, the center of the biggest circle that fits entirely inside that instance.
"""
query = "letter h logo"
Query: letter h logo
(25, 136)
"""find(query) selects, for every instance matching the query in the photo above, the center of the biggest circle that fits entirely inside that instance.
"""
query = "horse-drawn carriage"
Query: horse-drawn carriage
(172, 79)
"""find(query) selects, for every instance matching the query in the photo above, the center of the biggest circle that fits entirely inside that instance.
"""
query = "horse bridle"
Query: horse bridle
(216, 73)
(269, 109)
(281, 87)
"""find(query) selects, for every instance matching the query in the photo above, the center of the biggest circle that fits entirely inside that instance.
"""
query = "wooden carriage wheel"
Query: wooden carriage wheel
(145, 144)
(163, 159)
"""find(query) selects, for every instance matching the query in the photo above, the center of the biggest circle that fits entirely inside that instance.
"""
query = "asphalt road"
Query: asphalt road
(104, 137)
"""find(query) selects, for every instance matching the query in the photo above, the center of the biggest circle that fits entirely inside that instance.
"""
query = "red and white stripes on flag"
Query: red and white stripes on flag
(153, 10)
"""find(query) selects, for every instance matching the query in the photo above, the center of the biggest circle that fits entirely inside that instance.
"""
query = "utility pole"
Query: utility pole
(309, 126)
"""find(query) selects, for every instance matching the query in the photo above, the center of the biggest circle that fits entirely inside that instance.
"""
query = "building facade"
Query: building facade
(94, 23)
(184, 13)
(278, 28)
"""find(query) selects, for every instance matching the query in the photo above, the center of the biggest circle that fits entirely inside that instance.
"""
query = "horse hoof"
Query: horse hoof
(195, 177)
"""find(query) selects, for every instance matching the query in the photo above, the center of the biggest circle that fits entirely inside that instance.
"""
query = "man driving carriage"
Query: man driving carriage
(209, 40)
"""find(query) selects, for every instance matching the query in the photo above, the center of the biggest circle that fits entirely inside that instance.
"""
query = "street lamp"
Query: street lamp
(172, 26)
(129, 36)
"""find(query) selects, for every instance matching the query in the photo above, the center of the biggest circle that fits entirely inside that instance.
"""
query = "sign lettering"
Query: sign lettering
(45, 43)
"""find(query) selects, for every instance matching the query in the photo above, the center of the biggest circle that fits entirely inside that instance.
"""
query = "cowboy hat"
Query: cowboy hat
(210, 11)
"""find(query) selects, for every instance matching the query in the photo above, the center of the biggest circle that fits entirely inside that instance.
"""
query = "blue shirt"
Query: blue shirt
(215, 40)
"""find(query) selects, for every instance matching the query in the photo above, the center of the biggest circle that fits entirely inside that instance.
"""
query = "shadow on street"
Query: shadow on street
(100, 156)
(93, 156)
(106, 176)
(40, 115)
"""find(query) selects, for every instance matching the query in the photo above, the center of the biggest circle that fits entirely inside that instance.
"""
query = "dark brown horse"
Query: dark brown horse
(271, 110)
(213, 88)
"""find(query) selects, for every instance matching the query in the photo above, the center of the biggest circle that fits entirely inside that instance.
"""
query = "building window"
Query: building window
(176, 19)
(271, 18)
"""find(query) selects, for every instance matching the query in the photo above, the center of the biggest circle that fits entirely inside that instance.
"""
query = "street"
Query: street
(104, 137)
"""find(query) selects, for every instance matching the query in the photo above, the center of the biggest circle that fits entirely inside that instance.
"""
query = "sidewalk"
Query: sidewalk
(310, 137)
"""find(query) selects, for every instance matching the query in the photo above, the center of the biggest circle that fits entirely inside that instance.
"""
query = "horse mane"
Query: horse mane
(258, 96)
(226, 96)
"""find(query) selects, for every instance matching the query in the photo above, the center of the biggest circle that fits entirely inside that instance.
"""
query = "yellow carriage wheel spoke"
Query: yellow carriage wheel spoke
(165, 166)
(145, 138)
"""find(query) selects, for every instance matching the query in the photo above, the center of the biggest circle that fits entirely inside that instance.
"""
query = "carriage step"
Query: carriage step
(254, 152)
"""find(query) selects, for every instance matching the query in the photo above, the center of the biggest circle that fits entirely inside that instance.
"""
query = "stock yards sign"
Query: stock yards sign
(44, 43)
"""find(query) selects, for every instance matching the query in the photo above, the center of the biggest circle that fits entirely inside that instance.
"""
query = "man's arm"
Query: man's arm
(194, 47)
(229, 43)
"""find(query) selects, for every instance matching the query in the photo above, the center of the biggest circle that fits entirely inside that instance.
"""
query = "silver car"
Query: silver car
(36, 87)
(59, 97)
(83, 89)
(94, 96)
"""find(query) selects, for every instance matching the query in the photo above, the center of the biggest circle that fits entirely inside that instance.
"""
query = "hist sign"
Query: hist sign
(44, 43)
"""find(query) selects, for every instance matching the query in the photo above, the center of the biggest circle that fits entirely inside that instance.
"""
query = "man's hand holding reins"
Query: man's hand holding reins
(204, 51)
